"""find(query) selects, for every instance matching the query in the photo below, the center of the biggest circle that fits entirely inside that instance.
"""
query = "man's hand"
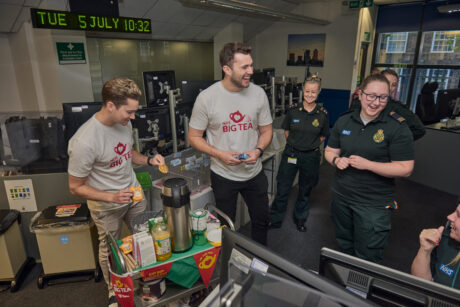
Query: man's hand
(429, 238)
(228, 157)
(122, 196)
(253, 155)
(157, 160)
(358, 162)
(342, 163)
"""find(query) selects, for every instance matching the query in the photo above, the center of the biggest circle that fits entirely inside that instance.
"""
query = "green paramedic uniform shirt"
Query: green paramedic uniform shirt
(306, 128)
(387, 138)
(414, 123)
(443, 272)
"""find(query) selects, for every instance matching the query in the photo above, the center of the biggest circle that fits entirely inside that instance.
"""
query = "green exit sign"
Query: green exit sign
(357, 4)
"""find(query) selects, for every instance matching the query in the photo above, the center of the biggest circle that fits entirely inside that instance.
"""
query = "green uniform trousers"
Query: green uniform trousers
(361, 231)
(307, 164)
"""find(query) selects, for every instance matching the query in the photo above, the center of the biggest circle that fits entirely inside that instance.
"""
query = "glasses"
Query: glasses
(373, 97)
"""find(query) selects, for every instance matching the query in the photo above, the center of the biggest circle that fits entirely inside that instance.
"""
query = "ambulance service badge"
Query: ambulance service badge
(379, 137)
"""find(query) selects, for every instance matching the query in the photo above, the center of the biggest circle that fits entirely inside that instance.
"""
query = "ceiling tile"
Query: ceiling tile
(185, 15)
(163, 10)
(8, 14)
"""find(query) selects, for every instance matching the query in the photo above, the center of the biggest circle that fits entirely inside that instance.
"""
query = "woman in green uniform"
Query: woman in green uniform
(305, 128)
(369, 147)
(438, 258)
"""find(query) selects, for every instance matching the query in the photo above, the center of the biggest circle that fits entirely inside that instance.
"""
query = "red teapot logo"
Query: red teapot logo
(120, 148)
(236, 117)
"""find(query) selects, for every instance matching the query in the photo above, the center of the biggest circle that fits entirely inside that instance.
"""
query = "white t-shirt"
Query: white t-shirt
(231, 121)
(104, 155)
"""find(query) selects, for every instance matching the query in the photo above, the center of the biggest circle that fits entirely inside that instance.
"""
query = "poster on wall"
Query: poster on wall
(71, 53)
(20, 194)
(306, 49)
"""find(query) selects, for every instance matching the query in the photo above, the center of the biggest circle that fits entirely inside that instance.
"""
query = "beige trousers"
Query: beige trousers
(111, 221)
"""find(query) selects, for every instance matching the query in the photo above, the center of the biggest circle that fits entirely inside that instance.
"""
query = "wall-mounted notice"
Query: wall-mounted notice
(21, 195)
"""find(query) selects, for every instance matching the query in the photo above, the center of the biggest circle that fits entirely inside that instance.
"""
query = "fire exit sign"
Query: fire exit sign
(71, 53)
(357, 4)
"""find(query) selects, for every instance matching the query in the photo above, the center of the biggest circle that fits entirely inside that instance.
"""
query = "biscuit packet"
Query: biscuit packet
(138, 195)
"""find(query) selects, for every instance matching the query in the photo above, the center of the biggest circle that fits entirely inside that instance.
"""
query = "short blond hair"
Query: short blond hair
(118, 90)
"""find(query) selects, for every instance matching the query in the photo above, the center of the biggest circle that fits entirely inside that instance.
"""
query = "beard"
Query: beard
(238, 82)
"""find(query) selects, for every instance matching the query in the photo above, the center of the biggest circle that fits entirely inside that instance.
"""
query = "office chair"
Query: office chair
(426, 107)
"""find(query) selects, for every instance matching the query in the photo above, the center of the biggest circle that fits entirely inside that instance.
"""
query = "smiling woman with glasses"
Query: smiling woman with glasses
(369, 147)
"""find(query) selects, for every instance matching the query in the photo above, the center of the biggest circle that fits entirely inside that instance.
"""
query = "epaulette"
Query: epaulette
(346, 112)
(322, 109)
(396, 116)
(292, 106)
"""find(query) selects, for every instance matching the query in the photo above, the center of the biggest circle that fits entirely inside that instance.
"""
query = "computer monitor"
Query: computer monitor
(182, 111)
(446, 102)
(153, 123)
(384, 285)
(191, 89)
(76, 114)
(155, 83)
(259, 78)
(281, 267)
(269, 73)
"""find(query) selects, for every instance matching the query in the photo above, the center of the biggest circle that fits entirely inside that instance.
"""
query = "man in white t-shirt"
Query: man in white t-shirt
(100, 164)
(236, 117)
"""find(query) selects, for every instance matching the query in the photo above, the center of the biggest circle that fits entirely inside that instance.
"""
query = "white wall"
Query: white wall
(8, 87)
(367, 22)
(74, 79)
(270, 46)
(231, 33)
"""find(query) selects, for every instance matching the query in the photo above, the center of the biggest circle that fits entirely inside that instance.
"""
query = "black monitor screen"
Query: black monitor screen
(382, 285)
(153, 123)
(446, 102)
(281, 267)
(191, 89)
(155, 83)
(269, 73)
(76, 114)
(259, 78)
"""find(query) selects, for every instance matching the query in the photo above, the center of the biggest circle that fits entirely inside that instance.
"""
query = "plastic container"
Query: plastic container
(161, 239)
(140, 222)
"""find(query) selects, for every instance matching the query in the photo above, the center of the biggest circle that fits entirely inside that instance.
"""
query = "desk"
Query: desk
(437, 159)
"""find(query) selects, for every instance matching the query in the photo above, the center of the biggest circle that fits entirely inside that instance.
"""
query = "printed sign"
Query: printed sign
(71, 53)
(20, 194)
(206, 261)
(155, 272)
(123, 288)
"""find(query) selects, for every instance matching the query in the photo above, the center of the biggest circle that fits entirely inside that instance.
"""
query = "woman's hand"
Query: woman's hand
(429, 238)
(359, 162)
(342, 163)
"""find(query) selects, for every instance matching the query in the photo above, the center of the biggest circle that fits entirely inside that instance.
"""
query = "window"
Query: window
(396, 42)
(443, 42)
(396, 47)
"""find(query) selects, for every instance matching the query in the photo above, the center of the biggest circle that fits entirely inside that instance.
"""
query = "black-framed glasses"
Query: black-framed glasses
(373, 97)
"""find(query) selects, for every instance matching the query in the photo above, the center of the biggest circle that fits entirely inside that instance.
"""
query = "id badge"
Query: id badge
(292, 160)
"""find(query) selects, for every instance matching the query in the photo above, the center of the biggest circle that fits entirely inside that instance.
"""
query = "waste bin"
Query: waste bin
(67, 241)
(14, 263)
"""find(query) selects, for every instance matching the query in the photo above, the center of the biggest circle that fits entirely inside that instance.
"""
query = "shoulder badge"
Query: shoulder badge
(292, 106)
(323, 109)
(396, 116)
(346, 112)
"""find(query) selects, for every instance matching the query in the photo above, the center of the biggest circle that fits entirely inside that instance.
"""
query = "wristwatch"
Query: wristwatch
(333, 160)
(148, 161)
(261, 151)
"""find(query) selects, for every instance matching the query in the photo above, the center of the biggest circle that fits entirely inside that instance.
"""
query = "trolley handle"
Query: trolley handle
(209, 207)
(113, 242)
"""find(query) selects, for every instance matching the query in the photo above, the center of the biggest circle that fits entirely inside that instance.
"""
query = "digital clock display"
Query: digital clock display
(49, 19)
